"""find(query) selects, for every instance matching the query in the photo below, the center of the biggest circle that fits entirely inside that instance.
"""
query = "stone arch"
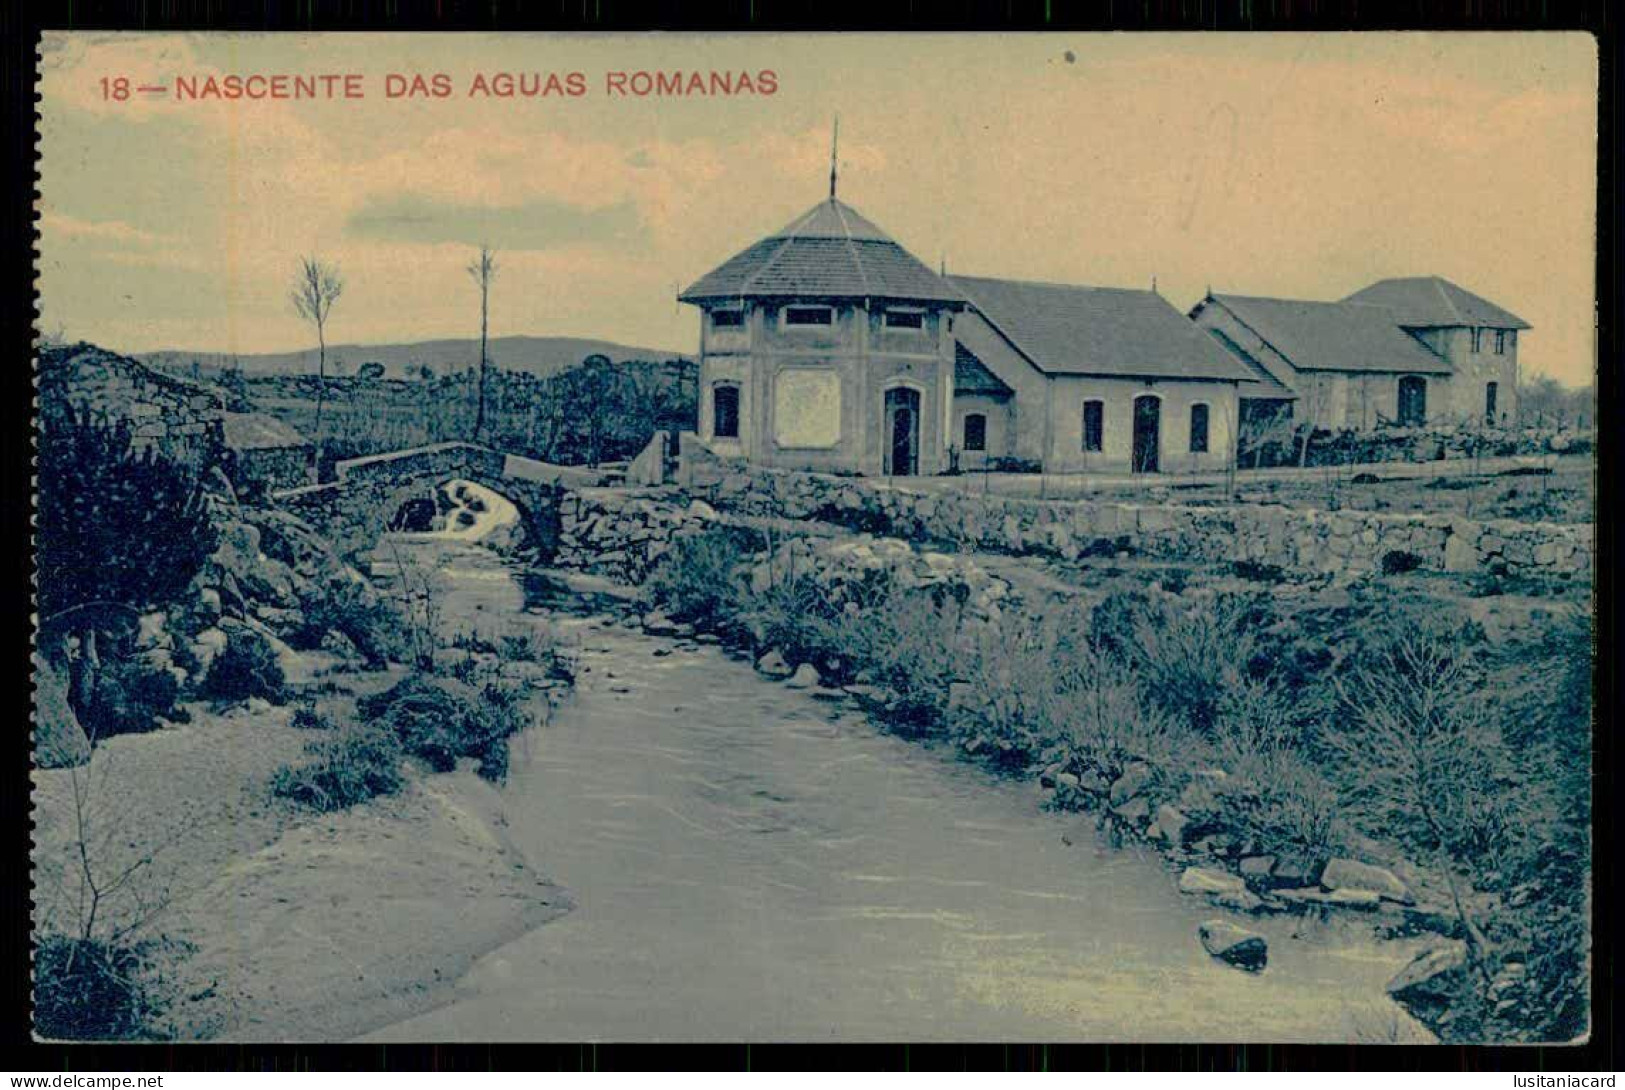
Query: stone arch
(536, 503)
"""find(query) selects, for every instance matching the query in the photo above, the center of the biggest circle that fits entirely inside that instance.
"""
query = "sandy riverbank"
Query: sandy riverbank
(292, 925)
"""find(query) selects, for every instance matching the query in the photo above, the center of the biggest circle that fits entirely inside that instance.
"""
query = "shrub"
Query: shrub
(309, 717)
(698, 580)
(356, 611)
(128, 696)
(114, 525)
(93, 990)
(441, 719)
(351, 766)
(1189, 657)
(248, 667)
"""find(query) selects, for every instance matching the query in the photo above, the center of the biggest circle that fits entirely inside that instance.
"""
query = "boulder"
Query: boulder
(772, 665)
(59, 740)
(1134, 811)
(656, 623)
(1234, 945)
(805, 677)
(1170, 825)
(1434, 978)
(1222, 887)
(1346, 874)
(1134, 779)
(206, 645)
(1257, 867)
(151, 632)
(1337, 898)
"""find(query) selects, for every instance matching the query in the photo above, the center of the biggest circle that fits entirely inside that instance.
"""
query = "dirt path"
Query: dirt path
(752, 862)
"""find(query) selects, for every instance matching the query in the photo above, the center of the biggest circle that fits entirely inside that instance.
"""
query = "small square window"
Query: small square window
(905, 319)
(727, 319)
(809, 316)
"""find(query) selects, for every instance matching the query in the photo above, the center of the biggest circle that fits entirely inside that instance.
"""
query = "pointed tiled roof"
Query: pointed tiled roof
(1070, 329)
(1333, 336)
(1423, 301)
(830, 251)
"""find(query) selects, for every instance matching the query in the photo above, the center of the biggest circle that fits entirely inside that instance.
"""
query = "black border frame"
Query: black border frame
(20, 24)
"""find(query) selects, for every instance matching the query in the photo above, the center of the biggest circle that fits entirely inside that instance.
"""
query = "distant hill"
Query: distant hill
(537, 355)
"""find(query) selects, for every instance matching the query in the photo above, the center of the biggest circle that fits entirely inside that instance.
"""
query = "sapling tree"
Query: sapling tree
(316, 288)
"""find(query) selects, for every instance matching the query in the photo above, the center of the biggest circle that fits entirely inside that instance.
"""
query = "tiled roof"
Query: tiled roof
(1069, 329)
(259, 431)
(828, 252)
(971, 375)
(1422, 301)
(1334, 336)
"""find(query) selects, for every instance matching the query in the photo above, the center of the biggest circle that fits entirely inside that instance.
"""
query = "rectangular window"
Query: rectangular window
(727, 319)
(1491, 389)
(1478, 339)
(975, 431)
(809, 316)
(725, 411)
(905, 319)
(1198, 429)
(1094, 426)
(1500, 342)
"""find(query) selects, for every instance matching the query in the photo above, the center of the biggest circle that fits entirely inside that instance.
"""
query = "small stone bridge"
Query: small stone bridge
(355, 508)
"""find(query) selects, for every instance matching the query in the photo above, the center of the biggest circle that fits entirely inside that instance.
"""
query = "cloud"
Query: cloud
(109, 231)
(539, 224)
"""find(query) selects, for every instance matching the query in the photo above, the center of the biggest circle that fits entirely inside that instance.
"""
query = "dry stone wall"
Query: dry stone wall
(181, 419)
(1326, 542)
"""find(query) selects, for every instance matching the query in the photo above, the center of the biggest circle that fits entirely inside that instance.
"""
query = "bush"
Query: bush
(114, 525)
(357, 612)
(353, 765)
(698, 580)
(309, 717)
(127, 697)
(248, 667)
(441, 719)
(91, 990)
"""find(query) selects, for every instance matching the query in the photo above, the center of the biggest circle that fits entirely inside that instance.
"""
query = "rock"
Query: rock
(1234, 945)
(152, 633)
(1221, 886)
(206, 645)
(805, 677)
(1431, 982)
(1346, 874)
(1134, 811)
(59, 740)
(1295, 872)
(1337, 898)
(1170, 825)
(1133, 780)
(1257, 866)
(772, 665)
(1459, 554)
(656, 623)
(206, 604)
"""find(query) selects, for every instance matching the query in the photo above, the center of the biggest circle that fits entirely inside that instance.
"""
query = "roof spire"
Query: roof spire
(834, 143)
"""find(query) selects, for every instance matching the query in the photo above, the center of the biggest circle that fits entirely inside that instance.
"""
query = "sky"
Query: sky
(1293, 165)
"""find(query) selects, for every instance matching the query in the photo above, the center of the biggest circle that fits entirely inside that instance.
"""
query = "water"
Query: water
(751, 862)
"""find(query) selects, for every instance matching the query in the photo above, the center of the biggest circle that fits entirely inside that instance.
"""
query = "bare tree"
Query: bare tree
(484, 270)
(315, 290)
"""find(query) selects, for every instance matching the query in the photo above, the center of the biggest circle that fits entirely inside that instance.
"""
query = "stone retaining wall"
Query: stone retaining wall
(1328, 542)
(181, 419)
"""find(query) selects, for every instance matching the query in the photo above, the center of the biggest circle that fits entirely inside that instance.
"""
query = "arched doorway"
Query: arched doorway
(1147, 434)
(902, 421)
(1413, 400)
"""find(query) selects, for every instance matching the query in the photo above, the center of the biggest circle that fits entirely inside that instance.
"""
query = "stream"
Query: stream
(753, 862)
